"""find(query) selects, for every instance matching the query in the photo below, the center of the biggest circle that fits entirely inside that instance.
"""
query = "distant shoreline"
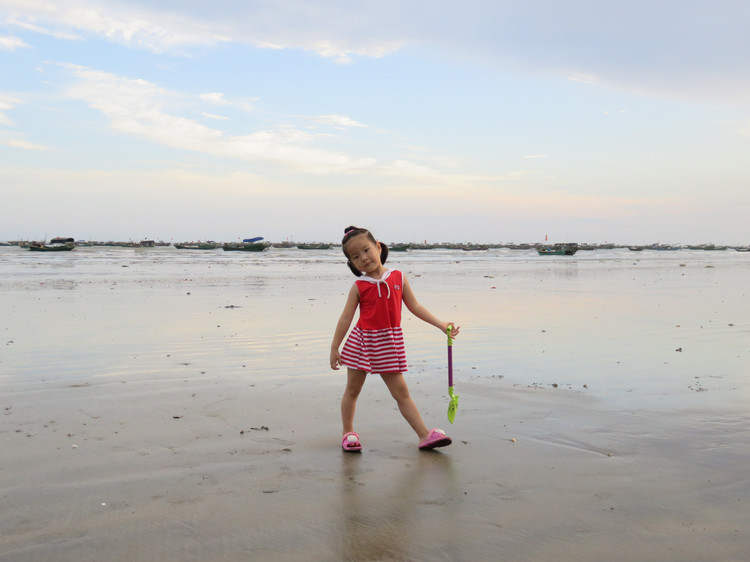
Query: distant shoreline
(404, 246)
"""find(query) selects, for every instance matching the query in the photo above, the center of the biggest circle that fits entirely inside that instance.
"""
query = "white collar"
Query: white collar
(386, 274)
(378, 282)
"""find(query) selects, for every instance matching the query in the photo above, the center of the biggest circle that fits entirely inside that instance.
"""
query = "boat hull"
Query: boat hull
(558, 250)
(196, 246)
(55, 248)
(244, 247)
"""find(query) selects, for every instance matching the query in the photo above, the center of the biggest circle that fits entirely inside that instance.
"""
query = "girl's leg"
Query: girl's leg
(355, 380)
(397, 386)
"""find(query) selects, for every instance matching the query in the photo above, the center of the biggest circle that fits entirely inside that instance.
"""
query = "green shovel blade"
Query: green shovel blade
(453, 406)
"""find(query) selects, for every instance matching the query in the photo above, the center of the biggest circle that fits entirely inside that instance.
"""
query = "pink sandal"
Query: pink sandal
(436, 438)
(350, 443)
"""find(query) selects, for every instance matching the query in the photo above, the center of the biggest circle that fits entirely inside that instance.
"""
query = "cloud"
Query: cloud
(44, 31)
(10, 43)
(214, 97)
(16, 143)
(141, 108)
(337, 120)
(586, 79)
(213, 116)
(120, 22)
(687, 48)
(412, 172)
(162, 29)
(6, 103)
(217, 98)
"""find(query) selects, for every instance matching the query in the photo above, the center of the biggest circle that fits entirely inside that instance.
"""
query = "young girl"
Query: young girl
(376, 344)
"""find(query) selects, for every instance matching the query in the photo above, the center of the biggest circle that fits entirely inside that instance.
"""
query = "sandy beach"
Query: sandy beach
(163, 405)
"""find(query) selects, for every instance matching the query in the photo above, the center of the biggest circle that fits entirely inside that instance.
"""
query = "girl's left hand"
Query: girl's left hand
(454, 329)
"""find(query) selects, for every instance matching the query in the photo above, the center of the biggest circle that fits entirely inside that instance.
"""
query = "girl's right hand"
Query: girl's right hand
(335, 359)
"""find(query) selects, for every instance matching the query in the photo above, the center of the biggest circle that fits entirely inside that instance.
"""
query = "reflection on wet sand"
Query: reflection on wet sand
(409, 508)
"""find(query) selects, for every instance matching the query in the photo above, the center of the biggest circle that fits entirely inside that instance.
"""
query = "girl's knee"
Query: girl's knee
(354, 383)
(403, 401)
(400, 394)
(352, 393)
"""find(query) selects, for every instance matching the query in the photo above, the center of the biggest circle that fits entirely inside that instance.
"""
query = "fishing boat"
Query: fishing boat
(656, 247)
(559, 249)
(196, 245)
(247, 245)
(56, 245)
(313, 246)
(244, 247)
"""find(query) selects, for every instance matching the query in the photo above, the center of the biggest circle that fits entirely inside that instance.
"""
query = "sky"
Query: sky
(479, 120)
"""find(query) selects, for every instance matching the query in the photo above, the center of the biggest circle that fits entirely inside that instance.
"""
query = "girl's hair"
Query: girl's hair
(349, 233)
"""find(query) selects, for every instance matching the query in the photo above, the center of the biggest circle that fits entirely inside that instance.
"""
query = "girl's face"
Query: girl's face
(364, 254)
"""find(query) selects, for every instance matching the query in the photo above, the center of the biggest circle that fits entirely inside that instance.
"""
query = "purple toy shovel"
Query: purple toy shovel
(453, 406)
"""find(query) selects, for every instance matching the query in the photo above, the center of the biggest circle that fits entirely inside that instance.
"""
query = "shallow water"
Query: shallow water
(607, 322)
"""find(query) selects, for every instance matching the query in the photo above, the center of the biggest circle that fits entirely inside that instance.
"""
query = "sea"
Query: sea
(646, 326)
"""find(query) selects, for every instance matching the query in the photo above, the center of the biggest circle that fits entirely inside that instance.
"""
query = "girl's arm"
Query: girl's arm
(411, 302)
(352, 301)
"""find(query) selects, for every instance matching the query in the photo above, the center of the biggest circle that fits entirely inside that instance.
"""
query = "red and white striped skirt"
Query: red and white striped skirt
(375, 351)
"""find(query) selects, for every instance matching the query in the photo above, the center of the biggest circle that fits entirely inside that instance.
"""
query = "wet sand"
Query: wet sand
(162, 409)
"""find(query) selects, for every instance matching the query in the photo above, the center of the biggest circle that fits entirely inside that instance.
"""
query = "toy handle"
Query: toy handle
(450, 359)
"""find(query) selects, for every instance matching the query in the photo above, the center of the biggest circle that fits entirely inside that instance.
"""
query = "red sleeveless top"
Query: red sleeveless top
(376, 343)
